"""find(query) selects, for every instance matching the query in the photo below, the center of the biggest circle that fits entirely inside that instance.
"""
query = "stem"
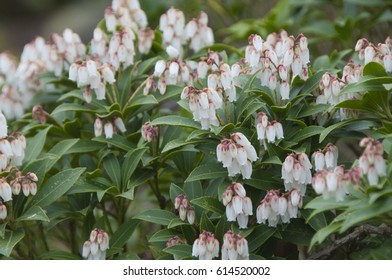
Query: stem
(134, 94)
(114, 93)
(227, 111)
(106, 218)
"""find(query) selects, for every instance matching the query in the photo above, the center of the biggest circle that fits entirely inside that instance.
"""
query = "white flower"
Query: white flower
(234, 247)
(206, 246)
(5, 191)
(108, 129)
(95, 248)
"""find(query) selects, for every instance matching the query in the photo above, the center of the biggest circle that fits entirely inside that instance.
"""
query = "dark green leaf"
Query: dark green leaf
(210, 204)
(156, 216)
(34, 213)
(207, 171)
(35, 145)
(176, 120)
(121, 236)
(10, 240)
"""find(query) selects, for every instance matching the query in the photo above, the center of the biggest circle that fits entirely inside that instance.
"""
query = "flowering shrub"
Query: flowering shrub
(145, 141)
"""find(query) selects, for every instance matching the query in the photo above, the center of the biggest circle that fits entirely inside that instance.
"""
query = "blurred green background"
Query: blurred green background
(329, 25)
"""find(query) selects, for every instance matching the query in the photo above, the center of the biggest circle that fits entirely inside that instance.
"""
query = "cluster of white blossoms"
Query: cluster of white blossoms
(296, 172)
(125, 13)
(175, 240)
(326, 158)
(177, 34)
(237, 154)
(20, 81)
(276, 208)
(95, 248)
(266, 130)
(234, 247)
(206, 247)
(106, 127)
(382, 53)
(238, 205)
(12, 147)
(18, 182)
(92, 75)
(198, 32)
(280, 58)
(121, 50)
(171, 72)
(203, 105)
(371, 161)
(185, 210)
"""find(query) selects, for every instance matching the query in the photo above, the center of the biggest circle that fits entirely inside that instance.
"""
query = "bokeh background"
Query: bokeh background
(337, 23)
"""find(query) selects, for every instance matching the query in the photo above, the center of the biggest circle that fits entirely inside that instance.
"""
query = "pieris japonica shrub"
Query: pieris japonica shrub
(157, 142)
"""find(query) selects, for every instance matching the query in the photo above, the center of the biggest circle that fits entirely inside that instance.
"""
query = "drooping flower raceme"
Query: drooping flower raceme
(185, 210)
(206, 247)
(276, 208)
(382, 53)
(371, 161)
(199, 33)
(238, 205)
(95, 248)
(234, 247)
(296, 172)
(203, 104)
(237, 154)
(150, 132)
(268, 131)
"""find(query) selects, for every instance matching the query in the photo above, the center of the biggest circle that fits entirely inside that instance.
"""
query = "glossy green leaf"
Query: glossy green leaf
(9, 241)
(207, 171)
(131, 161)
(177, 121)
(56, 186)
(36, 144)
(210, 204)
(163, 235)
(259, 236)
(34, 213)
(156, 216)
(121, 236)
(113, 169)
(72, 107)
(180, 251)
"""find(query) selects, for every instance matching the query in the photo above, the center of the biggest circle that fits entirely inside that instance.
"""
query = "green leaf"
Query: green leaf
(176, 143)
(330, 128)
(163, 235)
(367, 83)
(205, 223)
(207, 171)
(307, 133)
(85, 146)
(121, 236)
(35, 145)
(193, 189)
(323, 233)
(317, 222)
(34, 213)
(58, 255)
(156, 216)
(374, 69)
(312, 83)
(259, 236)
(10, 240)
(314, 109)
(180, 251)
(73, 107)
(175, 191)
(297, 232)
(130, 163)
(177, 121)
(176, 222)
(56, 186)
(117, 141)
(113, 169)
(210, 204)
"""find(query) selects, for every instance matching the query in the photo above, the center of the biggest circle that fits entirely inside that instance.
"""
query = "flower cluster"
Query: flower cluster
(91, 74)
(275, 208)
(177, 34)
(238, 205)
(185, 210)
(18, 182)
(371, 161)
(12, 148)
(280, 58)
(170, 72)
(106, 127)
(95, 248)
(329, 183)
(206, 247)
(22, 79)
(150, 132)
(382, 53)
(175, 240)
(203, 104)
(326, 158)
(121, 50)
(270, 131)
(234, 247)
(125, 13)
(296, 172)
(199, 33)
(237, 154)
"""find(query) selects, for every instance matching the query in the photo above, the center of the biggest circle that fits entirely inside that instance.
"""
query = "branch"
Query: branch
(357, 234)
